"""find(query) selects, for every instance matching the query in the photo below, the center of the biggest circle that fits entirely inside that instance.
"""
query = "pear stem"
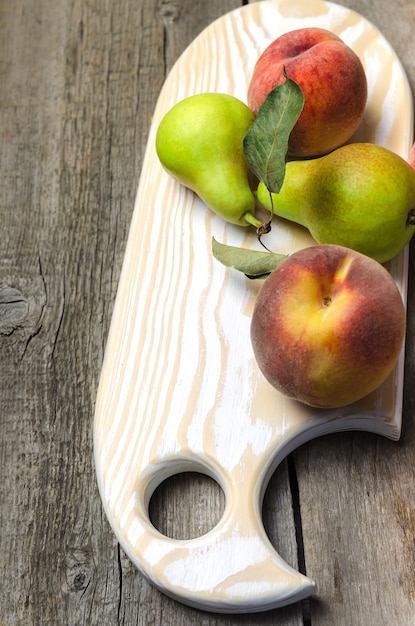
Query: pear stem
(262, 228)
(410, 220)
(251, 219)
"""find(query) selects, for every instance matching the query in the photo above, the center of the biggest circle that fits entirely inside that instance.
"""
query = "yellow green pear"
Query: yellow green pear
(200, 143)
(361, 196)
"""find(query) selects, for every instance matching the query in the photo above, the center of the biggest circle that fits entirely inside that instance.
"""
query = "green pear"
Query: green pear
(361, 196)
(200, 143)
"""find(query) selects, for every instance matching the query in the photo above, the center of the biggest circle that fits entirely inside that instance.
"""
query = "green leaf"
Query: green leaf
(266, 142)
(252, 263)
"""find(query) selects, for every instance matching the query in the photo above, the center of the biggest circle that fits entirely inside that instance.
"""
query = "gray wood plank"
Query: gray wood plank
(79, 81)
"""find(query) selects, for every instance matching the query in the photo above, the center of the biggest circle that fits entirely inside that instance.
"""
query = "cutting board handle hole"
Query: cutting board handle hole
(169, 509)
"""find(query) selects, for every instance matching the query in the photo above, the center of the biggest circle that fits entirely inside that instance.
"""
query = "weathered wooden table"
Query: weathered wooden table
(78, 84)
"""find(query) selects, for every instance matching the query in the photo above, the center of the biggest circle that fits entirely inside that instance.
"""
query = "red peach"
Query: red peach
(328, 326)
(333, 82)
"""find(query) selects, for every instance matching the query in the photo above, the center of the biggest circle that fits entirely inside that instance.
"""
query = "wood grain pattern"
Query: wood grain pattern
(179, 388)
(79, 84)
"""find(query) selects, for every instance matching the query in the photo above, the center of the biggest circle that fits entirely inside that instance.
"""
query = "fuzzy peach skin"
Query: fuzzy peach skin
(328, 326)
(333, 82)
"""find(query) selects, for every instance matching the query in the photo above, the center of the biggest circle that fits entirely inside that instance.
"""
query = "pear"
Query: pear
(199, 142)
(361, 196)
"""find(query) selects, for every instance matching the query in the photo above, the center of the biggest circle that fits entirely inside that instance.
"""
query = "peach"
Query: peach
(333, 82)
(328, 326)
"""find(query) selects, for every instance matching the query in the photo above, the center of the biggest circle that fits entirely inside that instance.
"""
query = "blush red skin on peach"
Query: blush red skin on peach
(353, 352)
(333, 81)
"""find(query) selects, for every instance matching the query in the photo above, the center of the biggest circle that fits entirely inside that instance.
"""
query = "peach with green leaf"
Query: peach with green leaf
(332, 79)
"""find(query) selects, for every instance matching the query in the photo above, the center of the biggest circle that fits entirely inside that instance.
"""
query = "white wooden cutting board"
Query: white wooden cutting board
(180, 389)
